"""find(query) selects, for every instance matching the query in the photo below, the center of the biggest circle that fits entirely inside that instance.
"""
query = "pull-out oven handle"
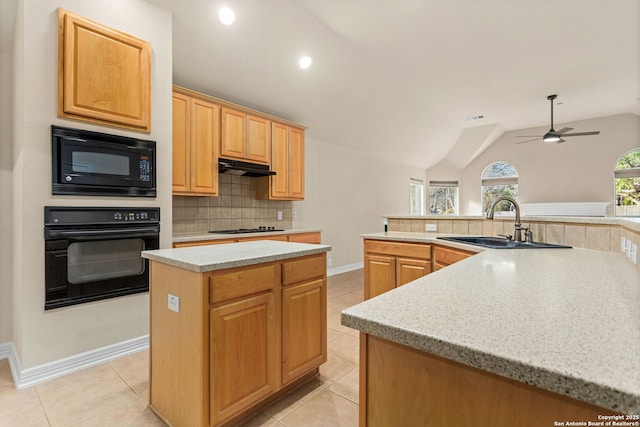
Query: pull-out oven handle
(104, 233)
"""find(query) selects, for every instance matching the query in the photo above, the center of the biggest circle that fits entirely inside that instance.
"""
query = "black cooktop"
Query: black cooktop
(245, 230)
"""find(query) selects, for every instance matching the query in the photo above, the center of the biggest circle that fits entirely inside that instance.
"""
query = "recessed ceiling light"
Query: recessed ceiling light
(304, 62)
(226, 15)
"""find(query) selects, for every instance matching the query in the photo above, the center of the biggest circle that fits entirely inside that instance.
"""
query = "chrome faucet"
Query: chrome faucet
(518, 226)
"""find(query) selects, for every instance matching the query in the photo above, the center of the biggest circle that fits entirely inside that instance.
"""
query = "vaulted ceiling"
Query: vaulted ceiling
(398, 78)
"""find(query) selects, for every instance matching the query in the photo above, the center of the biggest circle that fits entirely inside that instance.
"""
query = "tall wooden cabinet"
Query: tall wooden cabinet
(245, 136)
(389, 264)
(195, 146)
(287, 161)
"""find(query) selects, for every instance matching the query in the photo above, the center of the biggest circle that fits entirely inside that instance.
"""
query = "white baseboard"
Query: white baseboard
(38, 374)
(345, 268)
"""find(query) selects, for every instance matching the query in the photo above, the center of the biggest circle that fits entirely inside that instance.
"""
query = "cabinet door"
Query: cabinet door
(205, 118)
(296, 164)
(243, 355)
(232, 134)
(104, 75)
(379, 275)
(304, 328)
(443, 256)
(279, 188)
(181, 143)
(410, 269)
(258, 144)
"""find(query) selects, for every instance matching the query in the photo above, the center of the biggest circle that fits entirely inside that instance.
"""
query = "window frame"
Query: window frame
(503, 181)
(445, 184)
(419, 184)
(624, 173)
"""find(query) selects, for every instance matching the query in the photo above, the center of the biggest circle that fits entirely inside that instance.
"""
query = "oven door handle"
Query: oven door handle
(103, 234)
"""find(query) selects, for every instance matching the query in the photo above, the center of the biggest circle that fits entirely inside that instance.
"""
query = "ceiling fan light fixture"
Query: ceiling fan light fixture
(551, 137)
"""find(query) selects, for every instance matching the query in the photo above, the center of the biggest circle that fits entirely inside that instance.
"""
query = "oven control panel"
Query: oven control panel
(60, 215)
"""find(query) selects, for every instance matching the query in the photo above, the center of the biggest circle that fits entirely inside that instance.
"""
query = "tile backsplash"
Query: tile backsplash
(235, 207)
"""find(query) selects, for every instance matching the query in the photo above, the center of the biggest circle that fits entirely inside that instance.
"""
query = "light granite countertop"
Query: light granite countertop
(218, 257)
(563, 320)
(196, 237)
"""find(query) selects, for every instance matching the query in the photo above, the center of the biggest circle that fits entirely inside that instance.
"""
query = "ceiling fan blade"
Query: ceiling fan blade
(563, 130)
(561, 141)
(597, 132)
(528, 136)
(529, 140)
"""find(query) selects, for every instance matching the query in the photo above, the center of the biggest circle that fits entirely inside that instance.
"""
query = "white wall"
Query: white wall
(347, 193)
(6, 166)
(578, 170)
(42, 336)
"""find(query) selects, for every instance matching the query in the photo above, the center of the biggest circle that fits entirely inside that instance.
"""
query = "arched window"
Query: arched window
(499, 179)
(627, 175)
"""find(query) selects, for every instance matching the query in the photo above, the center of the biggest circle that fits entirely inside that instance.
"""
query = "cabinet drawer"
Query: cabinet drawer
(201, 243)
(447, 256)
(305, 238)
(243, 282)
(302, 269)
(413, 250)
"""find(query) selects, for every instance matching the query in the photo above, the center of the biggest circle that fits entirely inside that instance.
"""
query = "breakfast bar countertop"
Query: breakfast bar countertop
(564, 320)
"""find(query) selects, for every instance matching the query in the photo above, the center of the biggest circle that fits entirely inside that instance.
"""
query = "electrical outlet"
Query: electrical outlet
(627, 249)
(623, 244)
(279, 215)
(294, 215)
(431, 227)
(633, 255)
(328, 262)
(174, 303)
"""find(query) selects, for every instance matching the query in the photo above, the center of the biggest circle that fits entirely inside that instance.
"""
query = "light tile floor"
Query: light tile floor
(116, 393)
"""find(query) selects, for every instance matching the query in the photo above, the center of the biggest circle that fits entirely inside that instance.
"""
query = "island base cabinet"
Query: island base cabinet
(401, 386)
(224, 343)
(243, 355)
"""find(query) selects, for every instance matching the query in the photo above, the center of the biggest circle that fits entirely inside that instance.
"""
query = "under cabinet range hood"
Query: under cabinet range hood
(237, 167)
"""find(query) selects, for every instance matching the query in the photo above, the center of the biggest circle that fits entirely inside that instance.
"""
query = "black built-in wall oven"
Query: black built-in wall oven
(94, 253)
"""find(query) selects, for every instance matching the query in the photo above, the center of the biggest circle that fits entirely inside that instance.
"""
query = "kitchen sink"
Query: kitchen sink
(501, 243)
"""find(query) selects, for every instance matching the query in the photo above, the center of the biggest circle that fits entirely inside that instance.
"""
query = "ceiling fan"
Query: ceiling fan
(553, 135)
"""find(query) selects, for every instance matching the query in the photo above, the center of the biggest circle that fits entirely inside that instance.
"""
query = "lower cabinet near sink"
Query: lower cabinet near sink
(389, 264)
(240, 337)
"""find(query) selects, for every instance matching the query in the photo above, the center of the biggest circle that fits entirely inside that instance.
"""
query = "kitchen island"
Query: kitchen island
(505, 337)
(233, 326)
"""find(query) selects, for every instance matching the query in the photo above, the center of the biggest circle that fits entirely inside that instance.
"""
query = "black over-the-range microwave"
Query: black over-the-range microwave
(98, 164)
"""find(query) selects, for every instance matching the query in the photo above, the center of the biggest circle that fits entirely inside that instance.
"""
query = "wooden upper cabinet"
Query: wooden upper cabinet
(104, 75)
(232, 134)
(287, 161)
(181, 143)
(279, 187)
(296, 163)
(196, 127)
(244, 136)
